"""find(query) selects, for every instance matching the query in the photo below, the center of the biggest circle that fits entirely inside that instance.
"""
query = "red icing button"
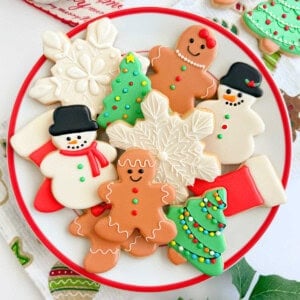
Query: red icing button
(224, 126)
(135, 190)
(114, 107)
(178, 78)
(134, 212)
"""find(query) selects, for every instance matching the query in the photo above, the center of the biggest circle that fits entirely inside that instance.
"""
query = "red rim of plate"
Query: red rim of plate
(239, 254)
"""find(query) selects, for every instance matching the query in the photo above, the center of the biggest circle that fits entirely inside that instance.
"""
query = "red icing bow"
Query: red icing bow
(210, 41)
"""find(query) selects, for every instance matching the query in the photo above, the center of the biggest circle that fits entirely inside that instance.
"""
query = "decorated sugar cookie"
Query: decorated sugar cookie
(181, 73)
(200, 226)
(236, 123)
(276, 24)
(128, 91)
(293, 107)
(83, 69)
(103, 255)
(175, 142)
(255, 183)
(80, 162)
(136, 201)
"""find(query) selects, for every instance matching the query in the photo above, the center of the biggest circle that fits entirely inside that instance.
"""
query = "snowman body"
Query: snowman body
(236, 124)
(74, 180)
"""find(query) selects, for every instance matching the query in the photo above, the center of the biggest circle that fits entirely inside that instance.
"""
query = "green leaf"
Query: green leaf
(274, 287)
(242, 275)
(234, 29)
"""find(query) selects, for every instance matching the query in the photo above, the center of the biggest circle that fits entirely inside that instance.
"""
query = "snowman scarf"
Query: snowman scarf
(95, 157)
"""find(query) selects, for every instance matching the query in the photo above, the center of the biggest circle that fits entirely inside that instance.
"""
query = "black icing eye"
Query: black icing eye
(191, 40)
(79, 137)
(129, 171)
(68, 139)
(202, 46)
(240, 95)
(228, 91)
(141, 171)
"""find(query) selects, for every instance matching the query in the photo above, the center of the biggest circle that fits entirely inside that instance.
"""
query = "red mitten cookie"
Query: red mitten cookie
(181, 74)
(136, 201)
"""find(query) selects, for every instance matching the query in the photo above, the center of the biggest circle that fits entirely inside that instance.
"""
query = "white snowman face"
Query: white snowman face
(74, 141)
(233, 97)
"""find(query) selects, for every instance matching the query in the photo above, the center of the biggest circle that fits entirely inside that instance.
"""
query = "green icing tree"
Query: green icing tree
(128, 91)
(200, 226)
(277, 21)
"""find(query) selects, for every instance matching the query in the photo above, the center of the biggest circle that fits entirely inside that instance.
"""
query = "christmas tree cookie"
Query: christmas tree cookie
(199, 225)
(277, 25)
(128, 91)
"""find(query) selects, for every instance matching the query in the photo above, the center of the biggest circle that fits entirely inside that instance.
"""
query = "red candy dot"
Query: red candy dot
(283, 16)
(298, 18)
(292, 47)
(268, 21)
(213, 260)
(203, 33)
(130, 83)
(135, 190)
(286, 27)
(221, 225)
(134, 212)
(273, 3)
(265, 6)
(209, 204)
(114, 107)
(275, 32)
(195, 241)
(224, 126)
(178, 78)
(196, 225)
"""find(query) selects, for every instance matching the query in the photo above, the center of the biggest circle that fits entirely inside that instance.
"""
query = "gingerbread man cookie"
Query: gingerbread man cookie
(102, 255)
(181, 74)
(137, 202)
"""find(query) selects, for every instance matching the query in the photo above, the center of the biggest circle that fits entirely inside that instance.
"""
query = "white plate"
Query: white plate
(139, 30)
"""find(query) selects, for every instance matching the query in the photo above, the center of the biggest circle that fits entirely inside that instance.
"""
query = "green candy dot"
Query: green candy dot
(80, 166)
(172, 87)
(220, 136)
(82, 179)
(227, 116)
(135, 201)
(183, 68)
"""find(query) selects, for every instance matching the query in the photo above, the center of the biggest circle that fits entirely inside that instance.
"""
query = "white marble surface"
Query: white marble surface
(21, 27)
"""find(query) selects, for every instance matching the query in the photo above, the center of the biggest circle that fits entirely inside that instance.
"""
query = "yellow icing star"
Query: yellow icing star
(130, 58)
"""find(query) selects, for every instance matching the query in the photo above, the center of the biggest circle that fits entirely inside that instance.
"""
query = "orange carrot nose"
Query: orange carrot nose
(230, 98)
(73, 142)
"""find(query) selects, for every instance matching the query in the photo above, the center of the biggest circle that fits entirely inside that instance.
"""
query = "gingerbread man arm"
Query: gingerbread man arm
(105, 190)
(169, 194)
(207, 87)
(155, 56)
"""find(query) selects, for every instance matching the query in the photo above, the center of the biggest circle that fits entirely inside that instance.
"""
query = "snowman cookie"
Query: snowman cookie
(236, 123)
(80, 163)
(181, 73)
(136, 201)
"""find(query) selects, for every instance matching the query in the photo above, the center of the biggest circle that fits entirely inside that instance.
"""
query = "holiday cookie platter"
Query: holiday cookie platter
(249, 186)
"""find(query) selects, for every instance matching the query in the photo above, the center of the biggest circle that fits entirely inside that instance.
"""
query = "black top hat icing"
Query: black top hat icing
(72, 118)
(244, 78)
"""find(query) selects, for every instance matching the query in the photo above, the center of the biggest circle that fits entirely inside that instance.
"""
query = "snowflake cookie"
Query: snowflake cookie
(174, 141)
(83, 69)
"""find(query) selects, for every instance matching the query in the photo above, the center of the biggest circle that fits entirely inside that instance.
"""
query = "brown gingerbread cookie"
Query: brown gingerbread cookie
(137, 202)
(293, 107)
(103, 255)
(181, 73)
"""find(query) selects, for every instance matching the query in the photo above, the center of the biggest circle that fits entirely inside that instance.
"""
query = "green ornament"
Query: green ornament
(128, 91)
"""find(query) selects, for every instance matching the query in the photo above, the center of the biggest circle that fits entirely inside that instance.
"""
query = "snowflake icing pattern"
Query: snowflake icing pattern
(175, 142)
(83, 69)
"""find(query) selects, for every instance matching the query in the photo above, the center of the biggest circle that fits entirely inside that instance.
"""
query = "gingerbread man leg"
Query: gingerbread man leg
(111, 230)
(136, 245)
(160, 233)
